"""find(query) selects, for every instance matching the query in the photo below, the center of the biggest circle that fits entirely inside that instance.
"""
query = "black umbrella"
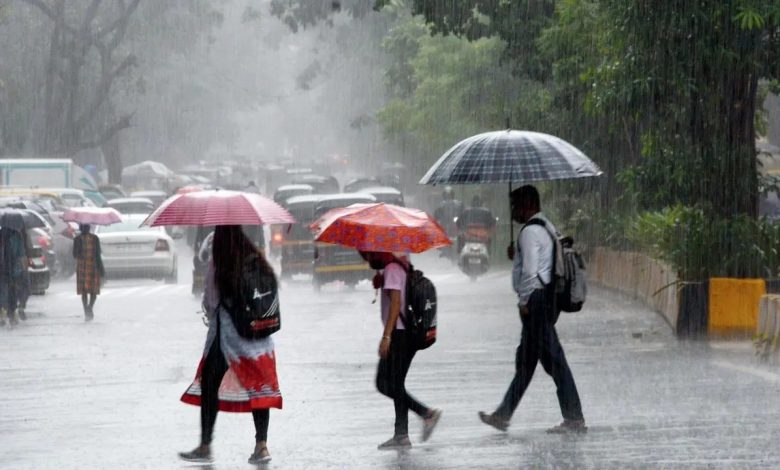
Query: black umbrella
(510, 157)
(20, 219)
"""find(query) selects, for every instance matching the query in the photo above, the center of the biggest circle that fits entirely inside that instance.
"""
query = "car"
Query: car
(157, 197)
(386, 194)
(38, 248)
(112, 191)
(71, 197)
(357, 184)
(41, 237)
(285, 192)
(321, 184)
(131, 205)
(129, 250)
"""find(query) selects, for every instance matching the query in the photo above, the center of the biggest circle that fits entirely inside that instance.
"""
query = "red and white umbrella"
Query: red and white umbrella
(92, 215)
(218, 207)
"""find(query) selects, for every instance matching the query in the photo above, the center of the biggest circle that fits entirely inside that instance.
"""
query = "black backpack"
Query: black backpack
(569, 281)
(420, 315)
(255, 313)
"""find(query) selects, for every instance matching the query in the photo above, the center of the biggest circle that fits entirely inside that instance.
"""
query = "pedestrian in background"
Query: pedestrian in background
(252, 385)
(396, 350)
(533, 275)
(22, 286)
(14, 263)
(89, 269)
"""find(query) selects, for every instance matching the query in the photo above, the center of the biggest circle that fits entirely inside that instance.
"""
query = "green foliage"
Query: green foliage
(700, 244)
(444, 88)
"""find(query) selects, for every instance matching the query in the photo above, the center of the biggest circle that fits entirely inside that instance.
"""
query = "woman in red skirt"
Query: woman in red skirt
(235, 374)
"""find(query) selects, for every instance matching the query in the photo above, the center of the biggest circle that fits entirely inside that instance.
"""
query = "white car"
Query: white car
(130, 250)
(157, 197)
(131, 205)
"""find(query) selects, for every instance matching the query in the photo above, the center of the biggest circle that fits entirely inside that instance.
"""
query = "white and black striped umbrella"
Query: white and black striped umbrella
(510, 156)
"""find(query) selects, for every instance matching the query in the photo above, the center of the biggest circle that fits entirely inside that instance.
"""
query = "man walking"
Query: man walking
(532, 279)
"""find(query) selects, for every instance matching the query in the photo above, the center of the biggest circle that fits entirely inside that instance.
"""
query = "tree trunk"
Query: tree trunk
(112, 154)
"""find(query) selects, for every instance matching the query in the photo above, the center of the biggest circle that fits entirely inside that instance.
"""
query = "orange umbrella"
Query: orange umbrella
(380, 227)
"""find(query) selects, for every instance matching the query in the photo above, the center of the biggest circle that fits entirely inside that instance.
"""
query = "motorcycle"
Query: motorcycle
(474, 256)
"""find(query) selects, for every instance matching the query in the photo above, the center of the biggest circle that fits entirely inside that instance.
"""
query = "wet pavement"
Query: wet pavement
(106, 394)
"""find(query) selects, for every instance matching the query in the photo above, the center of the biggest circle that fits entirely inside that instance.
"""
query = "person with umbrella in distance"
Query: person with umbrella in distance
(89, 268)
(534, 265)
(14, 262)
(236, 373)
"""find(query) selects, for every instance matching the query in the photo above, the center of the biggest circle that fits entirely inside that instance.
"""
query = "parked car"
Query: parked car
(321, 184)
(285, 192)
(73, 197)
(386, 194)
(357, 184)
(38, 257)
(134, 251)
(157, 197)
(131, 205)
(112, 191)
(50, 207)
(42, 238)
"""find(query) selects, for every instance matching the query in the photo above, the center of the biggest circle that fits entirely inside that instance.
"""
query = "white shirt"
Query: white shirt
(533, 259)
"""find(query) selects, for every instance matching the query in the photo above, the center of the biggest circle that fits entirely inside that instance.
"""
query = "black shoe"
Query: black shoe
(12, 320)
(569, 426)
(396, 443)
(429, 424)
(197, 455)
(493, 420)
(22, 315)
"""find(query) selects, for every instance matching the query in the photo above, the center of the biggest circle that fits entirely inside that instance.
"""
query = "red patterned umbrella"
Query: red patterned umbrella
(380, 227)
(218, 207)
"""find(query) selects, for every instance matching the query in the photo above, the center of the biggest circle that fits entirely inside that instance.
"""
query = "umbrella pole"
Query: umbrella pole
(511, 222)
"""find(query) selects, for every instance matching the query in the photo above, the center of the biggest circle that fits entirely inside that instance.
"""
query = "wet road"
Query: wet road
(105, 394)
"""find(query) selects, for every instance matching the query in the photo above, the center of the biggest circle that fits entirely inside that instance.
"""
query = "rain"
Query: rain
(406, 234)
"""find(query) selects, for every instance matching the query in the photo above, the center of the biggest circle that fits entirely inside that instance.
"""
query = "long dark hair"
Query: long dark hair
(230, 249)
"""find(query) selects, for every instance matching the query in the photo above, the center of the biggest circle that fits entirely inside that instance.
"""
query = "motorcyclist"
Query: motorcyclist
(448, 210)
(476, 222)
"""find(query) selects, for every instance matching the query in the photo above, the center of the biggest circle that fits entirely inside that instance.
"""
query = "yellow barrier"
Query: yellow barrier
(734, 305)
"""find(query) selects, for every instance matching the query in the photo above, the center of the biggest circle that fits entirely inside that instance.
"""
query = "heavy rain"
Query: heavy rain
(408, 234)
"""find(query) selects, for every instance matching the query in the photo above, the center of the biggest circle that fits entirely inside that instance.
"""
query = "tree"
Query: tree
(689, 72)
(78, 111)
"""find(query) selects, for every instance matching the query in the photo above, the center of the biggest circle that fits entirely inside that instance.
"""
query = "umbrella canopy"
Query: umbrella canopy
(380, 227)
(219, 207)
(510, 156)
(12, 219)
(92, 215)
(27, 218)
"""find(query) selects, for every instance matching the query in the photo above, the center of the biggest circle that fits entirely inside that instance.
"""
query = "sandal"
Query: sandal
(260, 456)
